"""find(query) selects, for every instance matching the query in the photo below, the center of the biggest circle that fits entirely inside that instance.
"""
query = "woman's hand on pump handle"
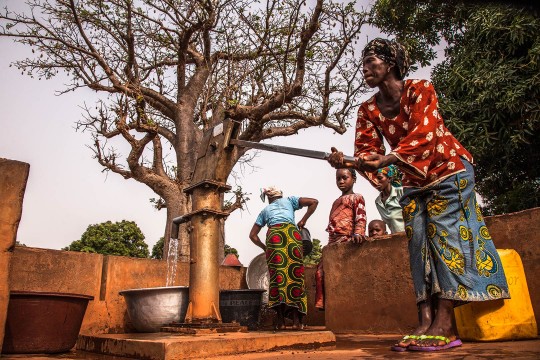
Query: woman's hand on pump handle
(370, 162)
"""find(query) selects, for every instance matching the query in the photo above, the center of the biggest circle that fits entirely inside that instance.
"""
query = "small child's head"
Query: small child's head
(345, 179)
(377, 228)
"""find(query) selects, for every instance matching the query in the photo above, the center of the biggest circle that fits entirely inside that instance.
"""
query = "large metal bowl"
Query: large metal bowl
(257, 276)
(151, 308)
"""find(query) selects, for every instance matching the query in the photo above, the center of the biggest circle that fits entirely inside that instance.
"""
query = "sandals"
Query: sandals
(405, 338)
(448, 344)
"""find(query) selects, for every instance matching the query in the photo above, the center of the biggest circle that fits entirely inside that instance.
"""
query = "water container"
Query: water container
(508, 319)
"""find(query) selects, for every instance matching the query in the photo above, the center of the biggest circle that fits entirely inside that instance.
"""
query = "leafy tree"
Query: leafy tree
(157, 249)
(489, 88)
(120, 238)
(315, 256)
(169, 71)
(231, 250)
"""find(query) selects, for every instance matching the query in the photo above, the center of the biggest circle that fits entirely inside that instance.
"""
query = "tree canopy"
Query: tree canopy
(122, 238)
(169, 71)
(157, 249)
(488, 85)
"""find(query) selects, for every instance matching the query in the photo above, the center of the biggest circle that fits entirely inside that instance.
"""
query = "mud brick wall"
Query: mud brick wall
(13, 177)
(369, 287)
(103, 277)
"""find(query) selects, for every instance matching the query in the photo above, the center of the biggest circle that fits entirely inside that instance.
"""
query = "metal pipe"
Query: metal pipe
(175, 226)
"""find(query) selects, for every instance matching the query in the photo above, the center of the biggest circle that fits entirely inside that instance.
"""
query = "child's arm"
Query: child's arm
(359, 211)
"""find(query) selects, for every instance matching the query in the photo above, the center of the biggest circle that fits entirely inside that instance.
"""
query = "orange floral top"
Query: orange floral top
(347, 217)
(427, 152)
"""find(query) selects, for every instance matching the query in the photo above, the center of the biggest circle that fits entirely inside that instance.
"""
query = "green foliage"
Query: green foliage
(418, 25)
(18, 243)
(315, 256)
(231, 250)
(489, 91)
(120, 238)
(490, 98)
(157, 249)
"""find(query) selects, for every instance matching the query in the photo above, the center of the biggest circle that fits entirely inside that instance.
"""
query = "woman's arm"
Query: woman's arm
(311, 204)
(425, 126)
(254, 236)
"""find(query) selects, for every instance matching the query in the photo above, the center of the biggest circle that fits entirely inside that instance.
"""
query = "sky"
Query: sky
(67, 190)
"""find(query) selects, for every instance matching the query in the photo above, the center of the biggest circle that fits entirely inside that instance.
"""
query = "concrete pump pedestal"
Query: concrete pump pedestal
(165, 346)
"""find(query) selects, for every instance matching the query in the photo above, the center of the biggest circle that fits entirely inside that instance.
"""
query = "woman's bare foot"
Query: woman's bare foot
(442, 326)
(425, 311)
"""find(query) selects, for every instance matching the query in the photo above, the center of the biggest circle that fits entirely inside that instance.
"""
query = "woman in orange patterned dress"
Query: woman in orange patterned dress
(451, 254)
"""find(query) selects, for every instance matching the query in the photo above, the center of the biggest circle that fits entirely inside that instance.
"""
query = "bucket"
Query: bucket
(307, 244)
(151, 308)
(503, 319)
(42, 322)
(242, 306)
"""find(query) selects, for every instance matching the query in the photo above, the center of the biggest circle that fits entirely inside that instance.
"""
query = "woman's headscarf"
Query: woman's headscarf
(392, 173)
(391, 52)
(270, 192)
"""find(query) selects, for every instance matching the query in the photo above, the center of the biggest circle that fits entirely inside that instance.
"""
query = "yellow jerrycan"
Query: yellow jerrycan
(508, 319)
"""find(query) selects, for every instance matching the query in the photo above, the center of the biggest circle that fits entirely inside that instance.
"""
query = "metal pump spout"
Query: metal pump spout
(175, 226)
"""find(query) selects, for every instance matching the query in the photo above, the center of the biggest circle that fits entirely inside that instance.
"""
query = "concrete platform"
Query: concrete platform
(172, 346)
(348, 346)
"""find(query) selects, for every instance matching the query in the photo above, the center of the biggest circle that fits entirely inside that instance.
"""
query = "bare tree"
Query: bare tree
(169, 70)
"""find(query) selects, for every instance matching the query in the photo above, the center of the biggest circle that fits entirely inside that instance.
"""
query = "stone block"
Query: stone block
(13, 177)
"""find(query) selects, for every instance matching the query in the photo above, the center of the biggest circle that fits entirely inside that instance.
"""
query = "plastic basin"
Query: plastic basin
(42, 322)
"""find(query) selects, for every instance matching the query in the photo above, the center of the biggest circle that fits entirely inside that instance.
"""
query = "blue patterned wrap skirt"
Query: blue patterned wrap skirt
(451, 253)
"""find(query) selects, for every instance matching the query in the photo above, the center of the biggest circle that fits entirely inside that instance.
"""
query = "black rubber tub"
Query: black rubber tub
(42, 322)
(242, 306)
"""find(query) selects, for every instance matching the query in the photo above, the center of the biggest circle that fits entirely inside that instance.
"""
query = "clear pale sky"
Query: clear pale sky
(67, 190)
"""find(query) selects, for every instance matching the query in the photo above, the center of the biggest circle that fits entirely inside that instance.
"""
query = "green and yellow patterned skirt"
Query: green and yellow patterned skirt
(285, 264)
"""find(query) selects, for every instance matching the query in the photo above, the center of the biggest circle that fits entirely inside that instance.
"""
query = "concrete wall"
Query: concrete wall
(102, 277)
(13, 177)
(369, 287)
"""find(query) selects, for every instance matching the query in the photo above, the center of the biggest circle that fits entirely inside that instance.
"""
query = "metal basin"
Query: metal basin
(151, 308)
(257, 276)
(43, 322)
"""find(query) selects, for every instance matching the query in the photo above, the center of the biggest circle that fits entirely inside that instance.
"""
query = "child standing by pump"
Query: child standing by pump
(347, 223)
